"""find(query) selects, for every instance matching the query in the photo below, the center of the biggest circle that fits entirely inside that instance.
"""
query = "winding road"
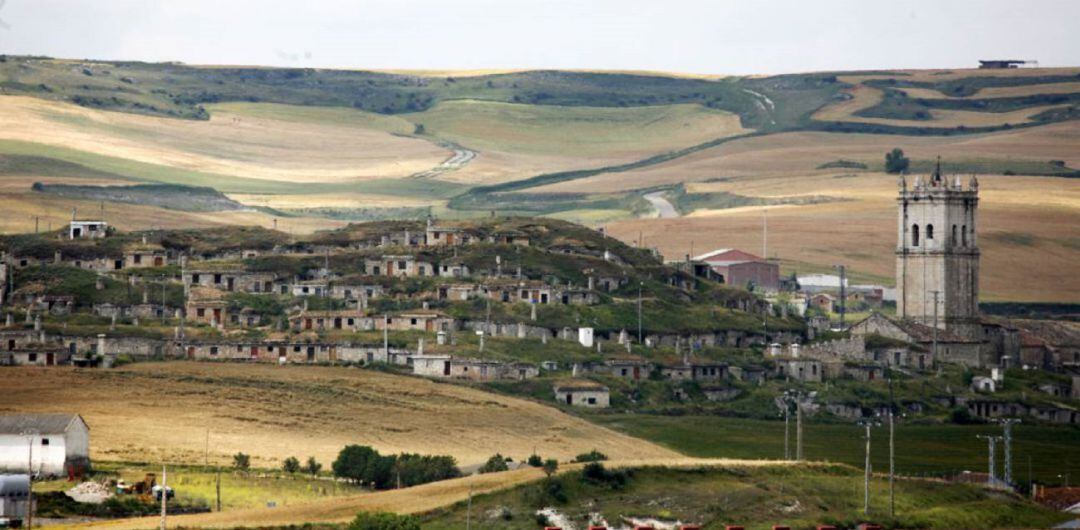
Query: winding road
(662, 205)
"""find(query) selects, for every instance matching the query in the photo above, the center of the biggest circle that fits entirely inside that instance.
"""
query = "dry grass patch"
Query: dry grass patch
(417, 499)
(160, 412)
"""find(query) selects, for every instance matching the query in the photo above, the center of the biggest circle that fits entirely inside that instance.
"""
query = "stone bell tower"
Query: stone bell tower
(937, 252)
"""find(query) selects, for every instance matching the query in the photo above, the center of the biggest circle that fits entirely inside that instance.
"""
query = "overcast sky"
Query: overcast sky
(717, 36)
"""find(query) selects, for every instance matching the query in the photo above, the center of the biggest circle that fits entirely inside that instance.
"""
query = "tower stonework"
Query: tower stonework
(937, 250)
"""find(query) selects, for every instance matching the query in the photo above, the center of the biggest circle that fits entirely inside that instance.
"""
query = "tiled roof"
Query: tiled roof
(36, 423)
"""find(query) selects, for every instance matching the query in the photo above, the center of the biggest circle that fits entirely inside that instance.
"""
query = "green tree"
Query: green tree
(896, 162)
(312, 467)
(358, 463)
(384, 521)
(494, 464)
(241, 461)
(419, 129)
(535, 461)
(291, 465)
(550, 467)
(591, 456)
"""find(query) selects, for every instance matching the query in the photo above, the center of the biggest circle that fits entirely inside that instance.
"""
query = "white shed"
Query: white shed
(51, 444)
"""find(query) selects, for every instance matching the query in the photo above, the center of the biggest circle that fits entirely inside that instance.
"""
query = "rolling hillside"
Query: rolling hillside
(311, 149)
(275, 412)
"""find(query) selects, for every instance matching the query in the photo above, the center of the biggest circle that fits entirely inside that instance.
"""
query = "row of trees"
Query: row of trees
(364, 465)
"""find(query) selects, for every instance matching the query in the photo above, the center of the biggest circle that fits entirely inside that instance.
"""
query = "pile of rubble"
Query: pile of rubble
(90, 492)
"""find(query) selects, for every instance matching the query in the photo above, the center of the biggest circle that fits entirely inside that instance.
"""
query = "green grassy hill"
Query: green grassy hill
(757, 498)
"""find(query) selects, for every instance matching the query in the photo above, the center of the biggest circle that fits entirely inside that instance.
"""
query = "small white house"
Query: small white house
(431, 365)
(87, 229)
(52, 444)
(583, 393)
(585, 337)
(983, 384)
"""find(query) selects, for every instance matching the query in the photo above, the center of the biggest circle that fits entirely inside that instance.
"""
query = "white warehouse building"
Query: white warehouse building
(52, 444)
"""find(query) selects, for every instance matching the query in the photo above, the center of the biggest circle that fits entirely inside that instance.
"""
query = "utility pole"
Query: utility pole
(787, 436)
(843, 293)
(798, 427)
(640, 284)
(163, 315)
(991, 442)
(892, 445)
(219, 488)
(37, 220)
(386, 336)
(468, 511)
(866, 477)
(765, 234)
(164, 495)
(30, 476)
(1006, 426)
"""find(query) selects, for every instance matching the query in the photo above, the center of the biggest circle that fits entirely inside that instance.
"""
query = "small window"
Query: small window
(138, 258)
(592, 401)
(194, 278)
(963, 235)
(200, 312)
(412, 321)
(929, 232)
(217, 278)
(44, 441)
(914, 235)
(31, 357)
(213, 350)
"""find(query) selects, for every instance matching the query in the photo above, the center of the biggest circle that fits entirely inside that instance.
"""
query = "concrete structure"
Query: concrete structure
(741, 269)
(583, 393)
(585, 337)
(633, 368)
(440, 236)
(323, 320)
(418, 320)
(937, 251)
(824, 302)
(87, 229)
(950, 346)
(398, 266)
(60, 442)
(229, 280)
(144, 256)
(14, 499)
(798, 369)
(206, 306)
(983, 384)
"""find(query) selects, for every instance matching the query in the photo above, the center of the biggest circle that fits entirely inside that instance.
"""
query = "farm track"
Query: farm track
(418, 499)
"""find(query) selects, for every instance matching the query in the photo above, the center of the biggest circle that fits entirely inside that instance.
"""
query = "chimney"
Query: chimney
(58, 257)
(420, 346)
(592, 283)
(37, 323)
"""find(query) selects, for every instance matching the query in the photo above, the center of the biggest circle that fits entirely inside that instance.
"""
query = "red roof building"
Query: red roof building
(741, 269)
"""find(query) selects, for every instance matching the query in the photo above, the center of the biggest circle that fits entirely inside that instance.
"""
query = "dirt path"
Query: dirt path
(662, 205)
(461, 158)
(417, 499)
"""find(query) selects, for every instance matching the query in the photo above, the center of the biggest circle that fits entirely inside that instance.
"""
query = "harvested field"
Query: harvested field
(160, 412)
(998, 91)
(271, 142)
(1020, 217)
(518, 141)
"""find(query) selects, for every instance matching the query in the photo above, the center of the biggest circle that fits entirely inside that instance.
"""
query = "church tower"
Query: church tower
(938, 251)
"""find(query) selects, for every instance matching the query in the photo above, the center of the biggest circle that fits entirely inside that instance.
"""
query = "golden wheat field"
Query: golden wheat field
(1027, 229)
(161, 412)
(273, 142)
(417, 499)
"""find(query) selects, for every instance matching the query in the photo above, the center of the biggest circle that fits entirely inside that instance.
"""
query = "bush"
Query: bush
(896, 162)
(596, 473)
(494, 464)
(384, 521)
(591, 456)
(241, 461)
(535, 461)
(961, 416)
(291, 465)
(312, 467)
(415, 469)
